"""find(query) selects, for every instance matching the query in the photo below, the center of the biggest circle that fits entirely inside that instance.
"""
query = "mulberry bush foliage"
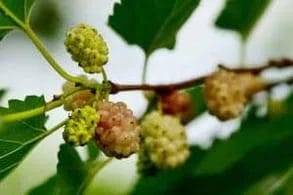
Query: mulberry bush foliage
(256, 159)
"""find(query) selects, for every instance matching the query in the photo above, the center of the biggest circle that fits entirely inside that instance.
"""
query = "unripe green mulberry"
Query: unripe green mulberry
(81, 126)
(87, 47)
(163, 141)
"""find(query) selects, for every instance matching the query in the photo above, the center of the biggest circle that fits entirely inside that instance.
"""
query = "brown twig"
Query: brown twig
(282, 63)
(161, 88)
(115, 87)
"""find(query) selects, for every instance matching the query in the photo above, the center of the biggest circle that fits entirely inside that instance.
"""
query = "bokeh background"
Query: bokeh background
(200, 47)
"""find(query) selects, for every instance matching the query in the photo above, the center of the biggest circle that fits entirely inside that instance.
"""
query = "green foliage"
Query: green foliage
(260, 148)
(19, 8)
(241, 15)
(71, 171)
(46, 188)
(73, 174)
(46, 18)
(2, 93)
(93, 151)
(17, 139)
(198, 100)
(151, 24)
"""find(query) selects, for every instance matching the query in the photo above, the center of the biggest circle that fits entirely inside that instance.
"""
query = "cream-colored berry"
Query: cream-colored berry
(163, 140)
(87, 47)
(227, 93)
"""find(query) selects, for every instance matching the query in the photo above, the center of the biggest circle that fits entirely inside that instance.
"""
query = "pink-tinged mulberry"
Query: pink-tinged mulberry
(117, 133)
(177, 103)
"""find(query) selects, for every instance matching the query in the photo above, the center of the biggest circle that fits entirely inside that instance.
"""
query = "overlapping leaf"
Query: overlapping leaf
(151, 24)
(19, 8)
(241, 15)
(72, 173)
(18, 138)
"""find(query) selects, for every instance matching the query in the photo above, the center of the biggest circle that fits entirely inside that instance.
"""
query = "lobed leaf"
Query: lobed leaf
(17, 139)
(19, 8)
(151, 24)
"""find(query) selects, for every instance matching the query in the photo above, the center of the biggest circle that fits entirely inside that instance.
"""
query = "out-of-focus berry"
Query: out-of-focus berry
(163, 142)
(227, 92)
(177, 103)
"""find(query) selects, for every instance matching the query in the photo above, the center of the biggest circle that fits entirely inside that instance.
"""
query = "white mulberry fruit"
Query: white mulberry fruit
(227, 93)
(117, 133)
(163, 140)
(87, 47)
(80, 128)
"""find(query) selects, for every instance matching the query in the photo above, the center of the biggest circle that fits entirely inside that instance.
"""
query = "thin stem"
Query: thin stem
(159, 88)
(116, 87)
(144, 71)
(104, 74)
(34, 112)
(94, 168)
(282, 63)
(55, 128)
(37, 111)
(48, 56)
(27, 29)
(281, 181)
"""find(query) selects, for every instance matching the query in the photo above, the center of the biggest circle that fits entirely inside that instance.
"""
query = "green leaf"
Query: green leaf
(19, 8)
(261, 147)
(253, 133)
(151, 24)
(46, 188)
(17, 139)
(73, 175)
(241, 15)
(71, 171)
(2, 93)
(93, 151)
(199, 105)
